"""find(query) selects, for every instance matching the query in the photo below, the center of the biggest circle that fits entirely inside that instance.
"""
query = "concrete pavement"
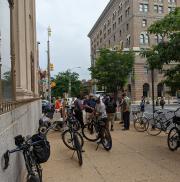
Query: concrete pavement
(135, 157)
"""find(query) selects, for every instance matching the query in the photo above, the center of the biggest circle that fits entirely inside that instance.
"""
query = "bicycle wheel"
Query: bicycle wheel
(68, 139)
(78, 149)
(153, 127)
(173, 139)
(106, 139)
(34, 170)
(140, 124)
(89, 132)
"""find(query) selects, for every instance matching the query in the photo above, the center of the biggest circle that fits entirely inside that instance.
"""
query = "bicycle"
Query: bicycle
(36, 150)
(72, 138)
(173, 138)
(160, 123)
(139, 121)
(97, 130)
(47, 121)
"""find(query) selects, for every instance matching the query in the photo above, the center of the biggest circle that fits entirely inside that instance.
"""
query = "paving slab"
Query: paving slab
(135, 157)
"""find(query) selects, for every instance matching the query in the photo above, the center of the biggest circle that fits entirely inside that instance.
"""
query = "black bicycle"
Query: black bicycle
(71, 137)
(173, 139)
(36, 150)
(97, 130)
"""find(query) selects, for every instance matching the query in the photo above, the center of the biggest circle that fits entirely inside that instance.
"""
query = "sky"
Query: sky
(70, 21)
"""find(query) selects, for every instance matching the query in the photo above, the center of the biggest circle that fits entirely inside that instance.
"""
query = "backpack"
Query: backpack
(41, 150)
(110, 107)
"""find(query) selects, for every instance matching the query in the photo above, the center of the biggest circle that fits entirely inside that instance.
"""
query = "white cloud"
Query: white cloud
(70, 22)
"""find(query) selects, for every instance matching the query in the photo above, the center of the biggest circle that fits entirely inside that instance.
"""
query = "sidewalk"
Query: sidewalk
(135, 157)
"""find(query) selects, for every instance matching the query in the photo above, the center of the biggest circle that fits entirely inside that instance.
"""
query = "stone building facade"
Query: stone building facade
(123, 26)
(20, 106)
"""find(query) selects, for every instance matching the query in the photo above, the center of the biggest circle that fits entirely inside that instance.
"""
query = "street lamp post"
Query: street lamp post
(70, 86)
(48, 64)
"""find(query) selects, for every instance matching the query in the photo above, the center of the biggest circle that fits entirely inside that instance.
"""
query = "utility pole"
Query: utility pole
(48, 65)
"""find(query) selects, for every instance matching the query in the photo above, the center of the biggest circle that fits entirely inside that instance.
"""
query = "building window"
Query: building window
(114, 38)
(143, 7)
(120, 33)
(128, 41)
(104, 27)
(144, 23)
(127, 12)
(171, 9)
(171, 1)
(158, 39)
(158, 9)
(109, 43)
(104, 35)
(127, 27)
(6, 85)
(114, 26)
(100, 32)
(114, 15)
(144, 38)
(109, 31)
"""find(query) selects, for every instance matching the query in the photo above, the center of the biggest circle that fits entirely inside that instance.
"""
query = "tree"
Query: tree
(62, 84)
(167, 51)
(112, 69)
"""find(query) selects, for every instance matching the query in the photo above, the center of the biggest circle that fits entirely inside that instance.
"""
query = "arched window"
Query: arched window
(144, 38)
(146, 89)
(160, 90)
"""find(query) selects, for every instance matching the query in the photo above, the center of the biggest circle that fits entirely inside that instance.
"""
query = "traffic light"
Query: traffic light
(51, 67)
(53, 84)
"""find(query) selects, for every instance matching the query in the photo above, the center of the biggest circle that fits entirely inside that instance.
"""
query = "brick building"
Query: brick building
(122, 26)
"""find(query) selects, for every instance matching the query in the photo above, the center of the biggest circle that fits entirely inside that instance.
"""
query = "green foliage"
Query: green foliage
(62, 84)
(167, 51)
(112, 69)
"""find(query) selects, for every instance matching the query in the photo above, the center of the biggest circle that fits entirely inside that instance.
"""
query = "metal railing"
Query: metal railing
(7, 106)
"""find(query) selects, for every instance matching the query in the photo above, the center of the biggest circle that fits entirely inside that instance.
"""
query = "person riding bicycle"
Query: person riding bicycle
(100, 110)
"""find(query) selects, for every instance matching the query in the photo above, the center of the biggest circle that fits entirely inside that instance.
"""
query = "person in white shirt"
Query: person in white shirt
(100, 110)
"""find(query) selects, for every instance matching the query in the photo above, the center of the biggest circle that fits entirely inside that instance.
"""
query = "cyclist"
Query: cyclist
(100, 110)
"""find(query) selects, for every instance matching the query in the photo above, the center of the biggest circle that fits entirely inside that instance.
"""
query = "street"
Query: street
(135, 157)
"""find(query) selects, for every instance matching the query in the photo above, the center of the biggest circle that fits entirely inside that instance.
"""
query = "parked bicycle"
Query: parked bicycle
(47, 121)
(139, 121)
(97, 130)
(159, 123)
(173, 139)
(36, 150)
(71, 137)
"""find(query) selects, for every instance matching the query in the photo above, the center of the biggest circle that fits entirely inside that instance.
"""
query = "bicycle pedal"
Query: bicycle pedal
(82, 150)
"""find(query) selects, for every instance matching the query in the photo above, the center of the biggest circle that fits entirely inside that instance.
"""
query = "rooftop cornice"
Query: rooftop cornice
(109, 5)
